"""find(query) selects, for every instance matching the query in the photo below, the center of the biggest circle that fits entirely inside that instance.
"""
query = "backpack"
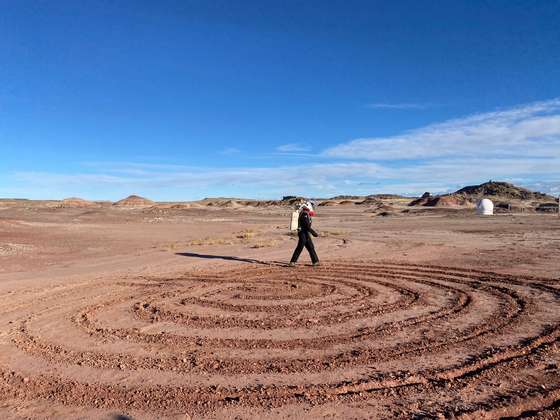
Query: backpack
(294, 222)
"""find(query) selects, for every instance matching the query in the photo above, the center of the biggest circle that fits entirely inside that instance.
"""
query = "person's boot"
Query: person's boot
(292, 264)
(316, 263)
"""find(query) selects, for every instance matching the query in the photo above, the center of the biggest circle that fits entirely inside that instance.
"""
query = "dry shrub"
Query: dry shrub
(199, 242)
(328, 233)
(211, 241)
(246, 234)
(264, 244)
(240, 237)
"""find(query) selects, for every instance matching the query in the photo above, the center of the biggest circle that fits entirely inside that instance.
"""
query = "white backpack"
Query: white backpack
(294, 222)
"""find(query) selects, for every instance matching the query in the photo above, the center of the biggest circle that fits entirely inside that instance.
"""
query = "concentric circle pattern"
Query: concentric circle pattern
(404, 340)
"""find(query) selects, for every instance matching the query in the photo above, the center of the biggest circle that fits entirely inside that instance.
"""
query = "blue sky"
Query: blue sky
(179, 100)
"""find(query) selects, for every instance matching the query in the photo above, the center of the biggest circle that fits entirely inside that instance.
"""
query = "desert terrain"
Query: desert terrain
(146, 310)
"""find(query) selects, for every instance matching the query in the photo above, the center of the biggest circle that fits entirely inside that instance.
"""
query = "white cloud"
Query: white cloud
(520, 145)
(322, 179)
(268, 182)
(292, 148)
(530, 130)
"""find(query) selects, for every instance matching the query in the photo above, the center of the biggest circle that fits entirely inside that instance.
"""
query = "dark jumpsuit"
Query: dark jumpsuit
(304, 233)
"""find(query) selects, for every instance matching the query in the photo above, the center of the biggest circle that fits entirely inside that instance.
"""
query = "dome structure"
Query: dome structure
(485, 207)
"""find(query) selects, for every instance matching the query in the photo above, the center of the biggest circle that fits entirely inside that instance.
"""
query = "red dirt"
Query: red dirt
(442, 316)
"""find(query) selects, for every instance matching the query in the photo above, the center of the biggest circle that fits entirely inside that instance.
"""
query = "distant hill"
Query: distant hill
(134, 201)
(467, 196)
(348, 197)
(291, 200)
(78, 202)
(386, 196)
(503, 190)
(365, 197)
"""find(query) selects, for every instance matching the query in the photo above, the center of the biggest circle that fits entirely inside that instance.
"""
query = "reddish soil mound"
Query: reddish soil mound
(134, 201)
(78, 202)
(381, 208)
(370, 201)
(450, 200)
(422, 201)
(447, 201)
(224, 203)
(328, 203)
(386, 213)
(229, 204)
(263, 203)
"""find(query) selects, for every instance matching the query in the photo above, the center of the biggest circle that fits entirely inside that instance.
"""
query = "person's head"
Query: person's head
(308, 207)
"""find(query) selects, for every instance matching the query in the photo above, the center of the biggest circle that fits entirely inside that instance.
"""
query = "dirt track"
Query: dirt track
(359, 337)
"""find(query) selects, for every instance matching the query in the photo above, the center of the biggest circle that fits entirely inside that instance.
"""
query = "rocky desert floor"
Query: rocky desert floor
(192, 313)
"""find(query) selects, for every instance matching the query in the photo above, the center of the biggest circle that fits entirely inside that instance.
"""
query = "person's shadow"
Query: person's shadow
(228, 258)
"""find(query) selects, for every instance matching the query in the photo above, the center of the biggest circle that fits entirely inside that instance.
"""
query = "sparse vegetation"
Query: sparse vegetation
(329, 233)
(211, 241)
(264, 244)
(246, 234)
(244, 237)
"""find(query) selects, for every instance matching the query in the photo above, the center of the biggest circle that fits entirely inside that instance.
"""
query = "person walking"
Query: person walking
(304, 234)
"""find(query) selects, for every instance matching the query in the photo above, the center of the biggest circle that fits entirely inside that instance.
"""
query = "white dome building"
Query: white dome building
(485, 207)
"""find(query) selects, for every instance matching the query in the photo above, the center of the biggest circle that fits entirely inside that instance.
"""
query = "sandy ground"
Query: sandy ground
(136, 313)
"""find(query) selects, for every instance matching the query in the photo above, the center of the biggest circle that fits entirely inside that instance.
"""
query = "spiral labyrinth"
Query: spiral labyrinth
(404, 340)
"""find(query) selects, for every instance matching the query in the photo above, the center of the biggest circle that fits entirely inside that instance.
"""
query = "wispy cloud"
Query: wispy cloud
(520, 145)
(293, 148)
(551, 187)
(530, 130)
(322, 179)
(398, 106)
(265, 182)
